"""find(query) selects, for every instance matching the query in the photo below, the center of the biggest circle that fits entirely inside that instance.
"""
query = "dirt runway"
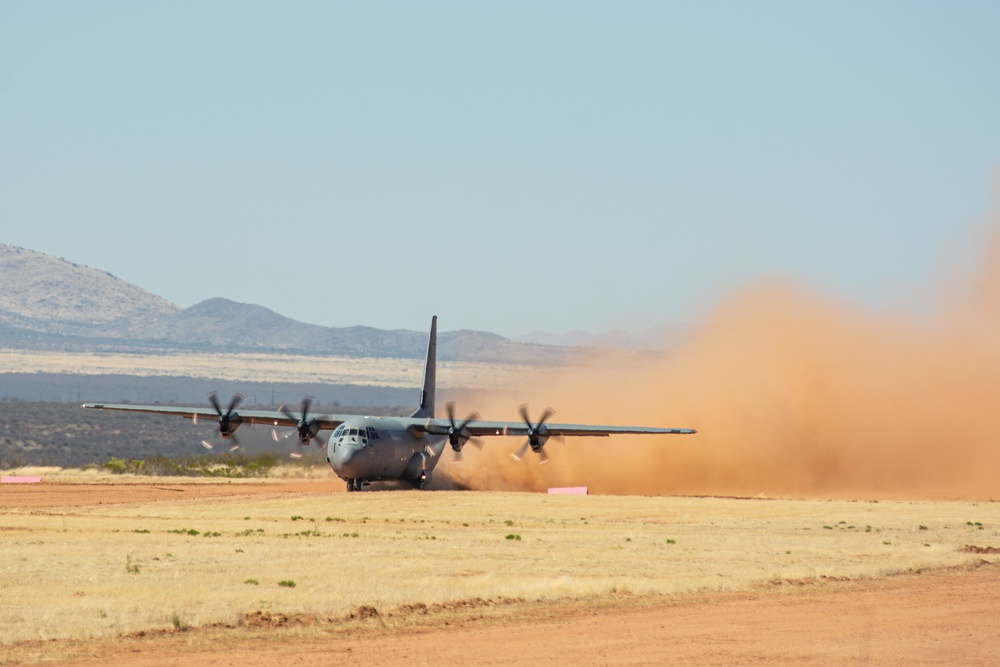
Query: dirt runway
(944, 617)
(940, 619)
(76, 494)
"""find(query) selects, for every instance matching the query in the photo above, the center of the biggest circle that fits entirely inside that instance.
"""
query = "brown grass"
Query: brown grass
(366, 371)
(94, 571)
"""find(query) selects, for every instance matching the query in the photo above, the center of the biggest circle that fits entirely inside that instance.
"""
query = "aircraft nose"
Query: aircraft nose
(346, 459)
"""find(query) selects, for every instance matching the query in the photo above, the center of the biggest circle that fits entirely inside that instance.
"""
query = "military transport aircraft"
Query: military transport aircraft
(365, 449)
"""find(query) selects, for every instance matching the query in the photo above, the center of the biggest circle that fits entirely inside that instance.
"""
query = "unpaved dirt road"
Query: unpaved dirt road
(945, 617)
(948, 618)
(79, 494)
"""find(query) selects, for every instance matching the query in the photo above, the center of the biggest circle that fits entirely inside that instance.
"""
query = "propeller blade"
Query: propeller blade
(234, 447)
(307, 402)
(206, 444)
(521, 452)
(233, 403)
(473, 416)
(284, 410)
(295, 455)
(234, 439)
(458, 457)
(537, 433)
(213, 398)
(458, 434)
(523, 409)
(274, 434)
(476, 442)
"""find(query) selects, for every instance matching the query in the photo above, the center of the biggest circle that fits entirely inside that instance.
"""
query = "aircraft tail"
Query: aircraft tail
(429, 388)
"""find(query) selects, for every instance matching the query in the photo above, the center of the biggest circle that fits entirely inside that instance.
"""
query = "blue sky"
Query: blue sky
(508, 166)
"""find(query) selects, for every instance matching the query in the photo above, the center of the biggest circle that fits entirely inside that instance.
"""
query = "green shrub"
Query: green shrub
(226, 464)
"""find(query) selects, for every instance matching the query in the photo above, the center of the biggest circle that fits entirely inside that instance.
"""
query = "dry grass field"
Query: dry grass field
(247, 367)
(86, 557)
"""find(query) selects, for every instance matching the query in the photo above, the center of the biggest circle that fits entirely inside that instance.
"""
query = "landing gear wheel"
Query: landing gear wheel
(353, 485)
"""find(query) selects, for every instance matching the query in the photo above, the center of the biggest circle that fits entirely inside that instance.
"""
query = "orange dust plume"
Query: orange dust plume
(793, 394)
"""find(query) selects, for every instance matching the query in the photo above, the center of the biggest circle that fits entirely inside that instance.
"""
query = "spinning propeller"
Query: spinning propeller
(307, 429)
(229, 420)
(459, 434)
(538, 435)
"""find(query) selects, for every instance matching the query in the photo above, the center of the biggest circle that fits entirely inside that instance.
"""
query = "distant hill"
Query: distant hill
(52, 303)
(42, 294)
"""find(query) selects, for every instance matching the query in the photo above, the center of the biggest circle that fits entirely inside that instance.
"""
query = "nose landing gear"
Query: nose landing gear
(356, 485)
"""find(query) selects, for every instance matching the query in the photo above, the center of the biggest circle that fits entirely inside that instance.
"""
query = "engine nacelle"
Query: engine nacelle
(417, 467)
(228, 425)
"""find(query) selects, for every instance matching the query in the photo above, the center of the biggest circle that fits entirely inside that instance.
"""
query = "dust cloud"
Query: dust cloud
(794, 393)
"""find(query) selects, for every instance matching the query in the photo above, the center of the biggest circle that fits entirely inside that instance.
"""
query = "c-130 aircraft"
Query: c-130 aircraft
(365, 449)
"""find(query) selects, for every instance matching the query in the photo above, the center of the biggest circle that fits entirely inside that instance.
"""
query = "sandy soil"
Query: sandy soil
(148, 490)
(944, 617)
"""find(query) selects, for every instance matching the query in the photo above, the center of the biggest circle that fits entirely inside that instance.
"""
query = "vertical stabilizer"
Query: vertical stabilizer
(426, 408)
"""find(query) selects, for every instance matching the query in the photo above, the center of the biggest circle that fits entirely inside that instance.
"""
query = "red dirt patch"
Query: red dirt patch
(266, 620)
(973, 549)
(60, 494)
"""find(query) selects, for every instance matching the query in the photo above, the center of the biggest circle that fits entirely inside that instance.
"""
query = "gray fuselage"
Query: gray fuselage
(376, 448)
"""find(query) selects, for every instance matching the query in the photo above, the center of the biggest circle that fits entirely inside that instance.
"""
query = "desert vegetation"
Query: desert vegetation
(224, 465)
(65, 435)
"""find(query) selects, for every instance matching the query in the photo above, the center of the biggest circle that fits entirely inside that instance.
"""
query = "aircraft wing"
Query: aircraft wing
(268, 417)
(484, 428)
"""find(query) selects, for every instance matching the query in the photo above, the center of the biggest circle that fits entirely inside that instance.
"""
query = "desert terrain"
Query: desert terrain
(251, 367)
(97, 568)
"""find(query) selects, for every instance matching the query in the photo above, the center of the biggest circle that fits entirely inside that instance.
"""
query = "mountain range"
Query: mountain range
(49, 302)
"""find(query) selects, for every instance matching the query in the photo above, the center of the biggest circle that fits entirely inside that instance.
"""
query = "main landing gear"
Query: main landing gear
(421, 482)
(355, 485)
